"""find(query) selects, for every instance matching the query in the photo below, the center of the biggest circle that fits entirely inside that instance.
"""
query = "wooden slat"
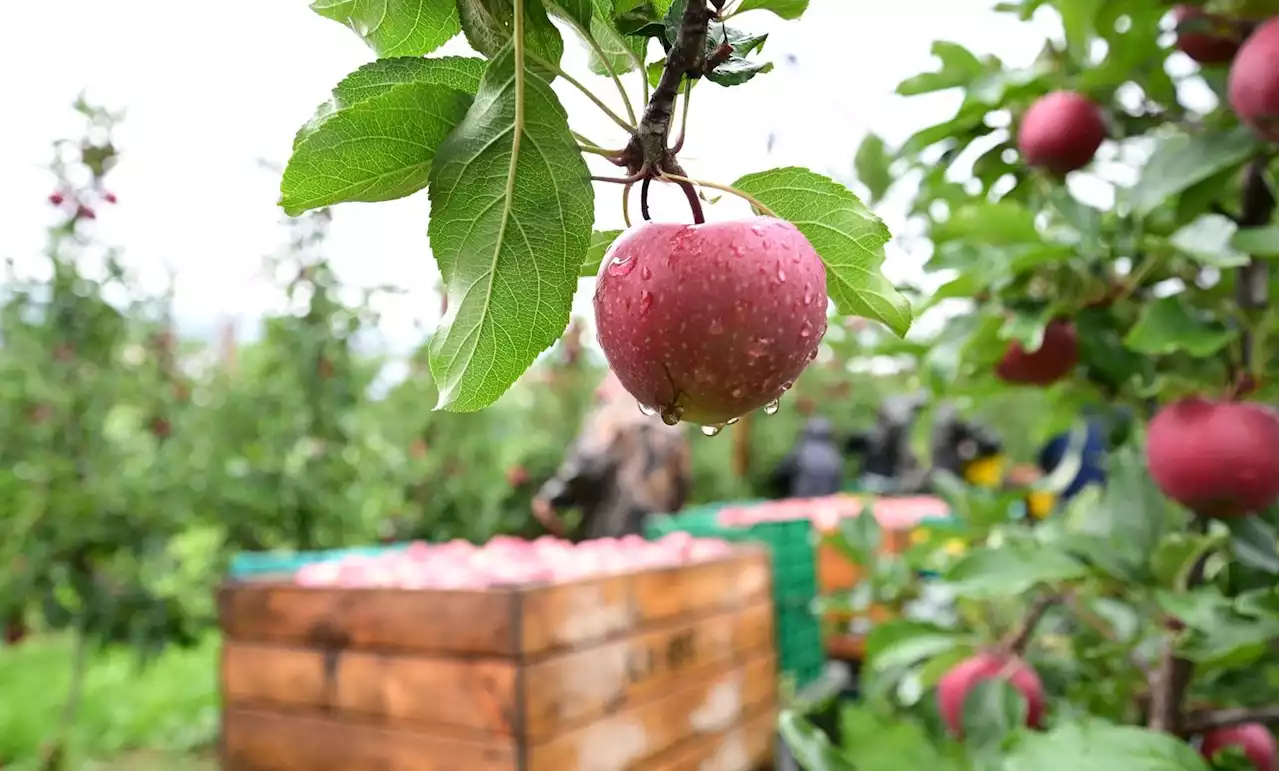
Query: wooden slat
(745, 747)
(265, 741)
(626, 741)
(563, 690)
(476, 695)
(439, 621)
(563, 616)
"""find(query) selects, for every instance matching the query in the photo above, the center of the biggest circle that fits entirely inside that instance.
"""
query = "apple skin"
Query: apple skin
(706, 323)
(956, 684)
(1253, 84)
(1216, 45)
(1060, 132)
(1218, 459)
(1057, 356)
(1254, 738)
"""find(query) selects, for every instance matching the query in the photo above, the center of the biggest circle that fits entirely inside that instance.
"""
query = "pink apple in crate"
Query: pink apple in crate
(709, 549)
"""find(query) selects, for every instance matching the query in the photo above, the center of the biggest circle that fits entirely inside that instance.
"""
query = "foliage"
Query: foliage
(1143, 621)
(511, 193)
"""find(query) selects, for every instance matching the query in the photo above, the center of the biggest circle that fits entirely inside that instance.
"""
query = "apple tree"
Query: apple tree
(734, 309)
(1103, 230)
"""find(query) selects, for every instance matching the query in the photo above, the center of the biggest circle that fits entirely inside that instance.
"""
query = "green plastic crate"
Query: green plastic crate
(249, 564)
(795, 582)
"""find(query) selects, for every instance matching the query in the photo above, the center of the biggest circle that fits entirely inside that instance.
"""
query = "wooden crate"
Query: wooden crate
(666, 670)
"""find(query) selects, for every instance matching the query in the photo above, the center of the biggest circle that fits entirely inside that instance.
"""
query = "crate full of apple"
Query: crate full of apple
(520, 656)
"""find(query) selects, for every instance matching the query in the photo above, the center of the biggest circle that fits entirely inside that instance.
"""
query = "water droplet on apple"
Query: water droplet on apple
(646, 302)
(813, 354)
(736, 251)
(621, 266)
(795, 255)
(645, 273)
(756, 229)
(646, 410)
(736, 393)
(671, 415)
(806, 330)
(756, 349)
(782, 275)
(716, 327)
(731, 421)
(808, 295)
(771, 408)
(712, 430)
(787, 385)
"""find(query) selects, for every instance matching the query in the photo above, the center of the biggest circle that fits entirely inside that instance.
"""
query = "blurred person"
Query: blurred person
(885, 450)
(814, 467)
(622, 467)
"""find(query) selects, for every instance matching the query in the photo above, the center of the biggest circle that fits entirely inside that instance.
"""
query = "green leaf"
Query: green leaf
(1182, 160)
(847, 236)
(992, 710)
(876, 741)
(577, 12)
(1260, 242)
(1218, 634)
(621, 52)
(511, 215)
(904, 643)
(1011, 569)
(1207, 240)
(601, 240)
(737, 69)
(376, 138)
(1131, 518)
(810, 746)
(959, 69)
(1253, 542)
(1177, 554)
(395, 27)
(786, 9)
(488, 24)
(1101, 746)
(1169, 325)
(872, 166)
(1002, 223)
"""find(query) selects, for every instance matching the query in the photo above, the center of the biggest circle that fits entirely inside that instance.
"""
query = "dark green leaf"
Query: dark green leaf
(488, 26)
(992, 710)
(1169, 325)
(1253, 542)
(601, 240)
(375, 140)
(1260, 242)
(576, 12)
(1132, 516)
(872, 166)
(1218, 634)
(642, 19)
(737, 70)
(1177, 553)
(846, 235)
(511, 215)
(621, 51)
(395, 27)
(786, 9)
(1182, 160)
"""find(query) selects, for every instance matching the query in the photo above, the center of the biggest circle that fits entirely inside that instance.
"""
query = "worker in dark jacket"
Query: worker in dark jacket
(623, 467)
(814, 467)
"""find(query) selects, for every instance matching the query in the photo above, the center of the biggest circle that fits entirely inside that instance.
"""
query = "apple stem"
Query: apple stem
(1257, 203)
(644, 198)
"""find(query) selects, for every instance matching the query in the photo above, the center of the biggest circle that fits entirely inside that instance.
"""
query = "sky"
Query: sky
(213, 90)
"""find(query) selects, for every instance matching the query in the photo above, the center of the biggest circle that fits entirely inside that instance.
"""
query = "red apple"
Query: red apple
(1208, 38)
(956, 684)
(1218, 459)
(1053, 360)
(705, 323)
(1253, 84)
(1253, 738)
(1060, 132)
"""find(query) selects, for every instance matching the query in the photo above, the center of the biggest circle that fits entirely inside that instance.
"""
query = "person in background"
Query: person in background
(623, 466)
(814, 467)
(885, 450)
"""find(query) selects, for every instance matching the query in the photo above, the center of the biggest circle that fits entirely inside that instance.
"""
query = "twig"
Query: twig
(1099, 625)
(644, 198)
(724, 189)
(617, 180)
(613, 116)
(1169, 682)
(1257, 203)
(1018, 639)
(684, 117)
(626, 203)
(1202, 720)
(604, 60)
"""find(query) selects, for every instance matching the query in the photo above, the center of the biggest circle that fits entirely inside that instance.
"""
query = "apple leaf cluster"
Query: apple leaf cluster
(511, 192)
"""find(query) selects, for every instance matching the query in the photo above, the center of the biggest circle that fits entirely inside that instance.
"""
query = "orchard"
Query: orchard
(1100, 226)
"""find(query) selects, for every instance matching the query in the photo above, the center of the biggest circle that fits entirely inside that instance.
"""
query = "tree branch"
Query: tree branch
(1202, 720)
(1018, 639)
(1172, 676)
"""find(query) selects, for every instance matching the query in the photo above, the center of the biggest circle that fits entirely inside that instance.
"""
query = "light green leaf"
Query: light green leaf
(1169, 325)
(395, 27)
(375, 140)
(461, 73)
(577, 12)
(511, 215)
(1002, 223)
(872, 166)
(1218, 635)
(847, 236)
(1182, 160)
(1260, 242)
(991, 711)
(487, 25)
(1130, 520)
(1253, 541)
(1101, 746)
(1208, 240)
(622, 52)
(1011, 569)
(1177, 554)
(786, 9)
(959, 68)
(601, 240)
(809, 745)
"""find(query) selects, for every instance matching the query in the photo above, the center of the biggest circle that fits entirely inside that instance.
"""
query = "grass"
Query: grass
(157, 718)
